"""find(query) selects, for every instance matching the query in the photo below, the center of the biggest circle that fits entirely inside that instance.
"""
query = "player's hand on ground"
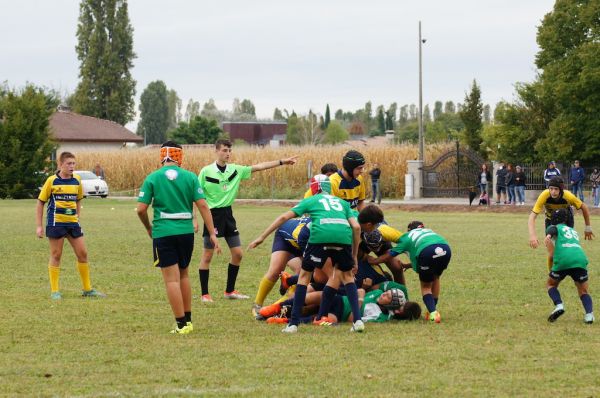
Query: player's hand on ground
(291, 160)
(215, 241)
(588, 234)
(254, 243)
(39, 232)
(534, 242)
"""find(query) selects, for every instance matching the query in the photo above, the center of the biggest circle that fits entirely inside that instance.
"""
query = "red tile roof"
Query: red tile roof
(69, 127)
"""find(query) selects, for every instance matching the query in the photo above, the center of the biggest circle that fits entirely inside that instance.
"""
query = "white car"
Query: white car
(92, 184)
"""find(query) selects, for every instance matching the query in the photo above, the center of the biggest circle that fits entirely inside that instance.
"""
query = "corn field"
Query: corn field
(125, 169)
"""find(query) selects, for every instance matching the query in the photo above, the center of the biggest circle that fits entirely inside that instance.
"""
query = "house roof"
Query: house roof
(68, 127)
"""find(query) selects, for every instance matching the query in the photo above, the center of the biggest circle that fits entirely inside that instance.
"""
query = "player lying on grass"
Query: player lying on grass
(429, 255)
(568, 259)
(335, 234)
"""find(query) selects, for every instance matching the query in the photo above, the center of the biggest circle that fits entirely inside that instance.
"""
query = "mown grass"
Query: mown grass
(494, 339)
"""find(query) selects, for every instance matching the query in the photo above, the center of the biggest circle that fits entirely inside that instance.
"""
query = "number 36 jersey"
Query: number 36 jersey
(567, 250)
(330, 217)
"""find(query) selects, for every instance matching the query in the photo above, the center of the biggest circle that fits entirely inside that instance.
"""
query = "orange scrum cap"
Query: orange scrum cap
(171, 152)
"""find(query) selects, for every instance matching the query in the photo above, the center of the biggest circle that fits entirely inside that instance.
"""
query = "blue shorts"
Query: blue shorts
(174, 249)
(579, 275)
(432, 261)
(315, 256)
(60, 232)
(282, 244)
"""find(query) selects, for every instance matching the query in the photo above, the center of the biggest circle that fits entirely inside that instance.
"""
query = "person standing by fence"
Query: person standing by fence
(484, 177)
(375, 174)
(595, 179)
(577, 176)
(520, 186)
(551, 172)
(510, 184)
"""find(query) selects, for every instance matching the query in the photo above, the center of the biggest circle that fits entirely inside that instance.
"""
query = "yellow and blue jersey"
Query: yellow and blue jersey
(296, 232)
(351, 191)
(546, 202)
(62, 195)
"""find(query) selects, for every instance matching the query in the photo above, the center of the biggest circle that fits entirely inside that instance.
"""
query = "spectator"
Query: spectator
(595, 179)
(520, 186)
(576, 176)
(500, 183)
(375, 173)
(484, 177)
(98, 170)
(510, 184)
(550, 172)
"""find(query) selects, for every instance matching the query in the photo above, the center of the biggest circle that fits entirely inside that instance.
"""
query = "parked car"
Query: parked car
(92, 184)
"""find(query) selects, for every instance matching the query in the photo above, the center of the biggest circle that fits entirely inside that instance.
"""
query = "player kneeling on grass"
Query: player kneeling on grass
(569, 259)
(429, 255)
(173, 191)
(335, 234)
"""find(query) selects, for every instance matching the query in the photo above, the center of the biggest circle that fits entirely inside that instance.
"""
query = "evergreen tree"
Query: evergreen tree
(327, 117)
(380, 119)
(105, 51)
(174, 104)
(26, 141)
(199, 130)
(471, 114)
(292, 134)
(403, 118)
(154, 113)
(486, 114)
(277, 115)
(437, 109)
(449, 107)
(426, 114)
(192, 110)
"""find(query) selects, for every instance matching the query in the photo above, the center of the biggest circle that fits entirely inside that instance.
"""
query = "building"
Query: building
(256, 133)
(77, 133)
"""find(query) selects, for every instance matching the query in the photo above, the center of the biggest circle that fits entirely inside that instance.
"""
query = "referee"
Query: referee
(220, 182)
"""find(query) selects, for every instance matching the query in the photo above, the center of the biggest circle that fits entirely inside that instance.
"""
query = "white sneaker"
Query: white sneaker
(556, 313)
(235, 295)
(290, 329)
(589, 318)
(358, 326)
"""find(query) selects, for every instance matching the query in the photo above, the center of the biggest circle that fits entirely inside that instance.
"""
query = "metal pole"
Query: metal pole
(421, 144)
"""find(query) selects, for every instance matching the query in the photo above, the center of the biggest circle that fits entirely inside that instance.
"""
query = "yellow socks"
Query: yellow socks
(84, 273)
(53, 273)
(264, 288)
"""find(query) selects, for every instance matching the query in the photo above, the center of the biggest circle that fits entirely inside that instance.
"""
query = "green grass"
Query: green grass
(494, 339)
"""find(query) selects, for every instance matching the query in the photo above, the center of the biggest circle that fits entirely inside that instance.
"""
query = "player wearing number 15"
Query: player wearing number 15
(335, 234)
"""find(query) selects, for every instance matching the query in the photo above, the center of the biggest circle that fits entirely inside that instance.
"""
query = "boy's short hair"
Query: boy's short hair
(370, 214)
(329, 168)
(223, 142)
(412, 311)
(414, 225)
(65, 155)
(559, 216)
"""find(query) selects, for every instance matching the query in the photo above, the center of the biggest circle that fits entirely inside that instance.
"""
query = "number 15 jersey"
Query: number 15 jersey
(330, 217)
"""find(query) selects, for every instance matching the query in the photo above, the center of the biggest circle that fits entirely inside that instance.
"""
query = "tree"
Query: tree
(471, 114)
(403, 118)
(277, 115)
(310, 132)
(210, 111)
(199, 130)
(380, 119)
(412, 112)
(368, 113)
(191, 110)
(292, 133)
(437, 109)
(339, 114)
(426, 114)
(486, 114)
(327, 117)
(243, 110)
(105, 51)
(174, 104)
(154, 113)
(26, 141)
(335, 133)
(449, 107)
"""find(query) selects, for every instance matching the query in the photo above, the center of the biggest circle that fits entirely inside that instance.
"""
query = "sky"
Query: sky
(294, 55)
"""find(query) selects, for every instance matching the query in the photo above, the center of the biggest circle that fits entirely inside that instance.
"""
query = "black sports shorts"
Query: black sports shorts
(174, 249)
(432, 261)
(315, 256)
(579, 275)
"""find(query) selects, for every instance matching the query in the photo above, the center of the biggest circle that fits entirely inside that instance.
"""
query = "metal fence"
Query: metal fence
(534, 175)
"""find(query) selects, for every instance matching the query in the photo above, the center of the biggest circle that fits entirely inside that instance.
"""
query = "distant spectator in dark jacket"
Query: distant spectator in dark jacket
(484, 178)
(510, 184)
(551, 172)
(577, 176)
(595, 179)
(520, 185)
(375, 173)
(500, 183)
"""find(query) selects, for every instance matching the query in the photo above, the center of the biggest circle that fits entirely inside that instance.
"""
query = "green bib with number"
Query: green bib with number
(567, 250)
(329, 219)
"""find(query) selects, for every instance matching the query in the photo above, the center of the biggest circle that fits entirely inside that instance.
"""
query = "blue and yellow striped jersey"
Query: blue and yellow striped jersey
(296, 231)
(351, 191)
(62, 195)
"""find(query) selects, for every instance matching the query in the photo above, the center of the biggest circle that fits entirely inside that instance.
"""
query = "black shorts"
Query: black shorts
(500, 189)
(579, 275)
(282, 244)
(432, 261)
(224, 222)
(60, 232)
(315, 256)
(174, 249)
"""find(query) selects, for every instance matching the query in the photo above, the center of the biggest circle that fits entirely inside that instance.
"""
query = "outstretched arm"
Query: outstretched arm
(589, 235)
(533, 240)
(274, 163)
(276, 224)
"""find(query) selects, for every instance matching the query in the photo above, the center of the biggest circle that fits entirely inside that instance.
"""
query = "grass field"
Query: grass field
(494, 339)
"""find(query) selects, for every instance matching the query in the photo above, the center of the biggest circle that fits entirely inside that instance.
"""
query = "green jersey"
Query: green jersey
(370, 311)
(221, 187)
(172, 192)
(567, 250)
(330, 217)
(413, 243)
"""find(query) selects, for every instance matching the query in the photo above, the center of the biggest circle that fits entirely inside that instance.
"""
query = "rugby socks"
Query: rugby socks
(352, 294)
(188, 316)
(326, 300)
(292, 280)
(53, 273)
(586, 300)
(84, 274)
(232, 272)
(429, 302)
(555, 296)
(181, 322)
(436, 299)
(264, 288)
(299, 298)
(203, 273)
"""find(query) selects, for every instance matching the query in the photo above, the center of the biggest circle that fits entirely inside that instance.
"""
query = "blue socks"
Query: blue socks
(429, 302)
(326, 299)
(352, 294)
(299, 297)
(586, 300)
(555, 295)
